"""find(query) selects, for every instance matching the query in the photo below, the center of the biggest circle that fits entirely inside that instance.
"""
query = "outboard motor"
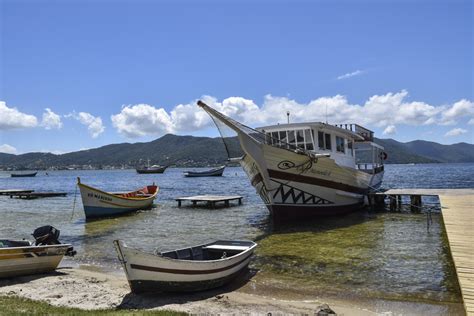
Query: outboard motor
(48, 235)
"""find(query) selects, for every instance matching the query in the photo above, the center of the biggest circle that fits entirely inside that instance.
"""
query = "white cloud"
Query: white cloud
(7, 149)
(471, 121)
(51, 120)
(143, 119)
(462, 108)
(455, 132)
(11, 118)
(385, 111)
(93, 123)
(390, 130)
(350, 74)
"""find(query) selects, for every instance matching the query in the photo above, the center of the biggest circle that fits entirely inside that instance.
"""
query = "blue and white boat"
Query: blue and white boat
(98, 203)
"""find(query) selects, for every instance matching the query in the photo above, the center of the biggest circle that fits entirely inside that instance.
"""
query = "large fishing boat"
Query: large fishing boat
(305, 170)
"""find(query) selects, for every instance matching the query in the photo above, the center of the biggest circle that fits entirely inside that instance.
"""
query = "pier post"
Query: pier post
(415, 203)
(399, 202)
(379, 200)
(393, 202)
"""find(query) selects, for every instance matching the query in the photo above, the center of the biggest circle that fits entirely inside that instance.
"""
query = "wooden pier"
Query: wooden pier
(457, 210)
(14, 191)
(210, 200)
(35, 195)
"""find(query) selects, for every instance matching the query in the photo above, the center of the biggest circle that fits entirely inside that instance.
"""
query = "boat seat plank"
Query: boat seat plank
(227, 247)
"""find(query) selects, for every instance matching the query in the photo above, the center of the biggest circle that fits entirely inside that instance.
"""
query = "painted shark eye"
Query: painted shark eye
(286, 164)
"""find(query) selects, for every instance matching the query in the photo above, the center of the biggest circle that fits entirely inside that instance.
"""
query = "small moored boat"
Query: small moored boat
(24, 175)
(98, 203)
(216, 172)
(152, 169)
(189, 269)
(21, 257)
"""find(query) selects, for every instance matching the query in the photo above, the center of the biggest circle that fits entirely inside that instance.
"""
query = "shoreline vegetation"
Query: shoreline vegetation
(80, 290)
(16, 305)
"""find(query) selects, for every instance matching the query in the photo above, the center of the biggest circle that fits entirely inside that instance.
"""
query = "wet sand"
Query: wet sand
(86, 288)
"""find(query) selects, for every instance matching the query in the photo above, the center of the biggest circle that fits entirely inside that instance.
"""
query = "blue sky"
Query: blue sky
(82, 74)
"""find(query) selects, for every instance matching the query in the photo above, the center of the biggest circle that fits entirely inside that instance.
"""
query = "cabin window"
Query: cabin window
(327, 141)
(300, 138)
(275, 138)
(308, 140)
(268, 138)
(324, 141)
(291, 139)
(340, 144)
(283, 138)
(350, 147)
(321, 140)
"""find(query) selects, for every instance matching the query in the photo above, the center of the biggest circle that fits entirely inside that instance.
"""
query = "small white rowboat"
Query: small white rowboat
(184, 270)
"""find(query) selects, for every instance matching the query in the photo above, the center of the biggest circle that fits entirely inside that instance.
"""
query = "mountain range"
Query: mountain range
(190, 151)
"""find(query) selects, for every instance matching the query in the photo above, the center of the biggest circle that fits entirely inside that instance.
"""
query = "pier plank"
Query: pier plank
(457, 210)
(35, 195)
(14, 191)
(458, 215)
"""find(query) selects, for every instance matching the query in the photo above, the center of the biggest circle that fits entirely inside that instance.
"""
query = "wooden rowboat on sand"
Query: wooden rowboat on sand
(185, 270)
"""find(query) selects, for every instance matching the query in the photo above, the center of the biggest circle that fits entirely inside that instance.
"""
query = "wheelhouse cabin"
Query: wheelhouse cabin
(350, 145)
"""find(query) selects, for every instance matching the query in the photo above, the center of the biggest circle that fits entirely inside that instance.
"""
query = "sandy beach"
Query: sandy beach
(86, 288)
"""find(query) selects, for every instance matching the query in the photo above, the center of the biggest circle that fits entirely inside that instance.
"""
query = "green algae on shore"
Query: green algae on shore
(383, 255)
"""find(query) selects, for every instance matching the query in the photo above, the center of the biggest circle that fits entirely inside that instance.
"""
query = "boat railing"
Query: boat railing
(369, 167)
(367, 134)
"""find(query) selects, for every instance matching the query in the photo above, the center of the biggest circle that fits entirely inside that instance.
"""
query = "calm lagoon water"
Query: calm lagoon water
(381, 254)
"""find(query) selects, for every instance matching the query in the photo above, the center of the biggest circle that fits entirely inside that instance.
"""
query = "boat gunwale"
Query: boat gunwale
(36, 247)
(252, 247)
(151, 197)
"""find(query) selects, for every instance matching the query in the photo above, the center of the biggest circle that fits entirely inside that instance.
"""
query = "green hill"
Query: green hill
(204, 151)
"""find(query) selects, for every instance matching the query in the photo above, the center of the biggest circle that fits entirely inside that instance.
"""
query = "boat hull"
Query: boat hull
(295, 186)
(23, 175)
(98, 204)
(210, 173)
(151, 273)
(142, 286)
(148, 171)
(17, 261)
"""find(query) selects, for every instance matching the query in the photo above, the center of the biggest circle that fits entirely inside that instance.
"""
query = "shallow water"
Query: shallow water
(378, 253)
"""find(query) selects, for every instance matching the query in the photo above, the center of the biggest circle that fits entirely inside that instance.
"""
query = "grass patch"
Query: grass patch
(14, 305)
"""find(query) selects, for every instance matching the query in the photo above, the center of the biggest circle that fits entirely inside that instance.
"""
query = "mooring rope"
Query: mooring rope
(74, 203)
